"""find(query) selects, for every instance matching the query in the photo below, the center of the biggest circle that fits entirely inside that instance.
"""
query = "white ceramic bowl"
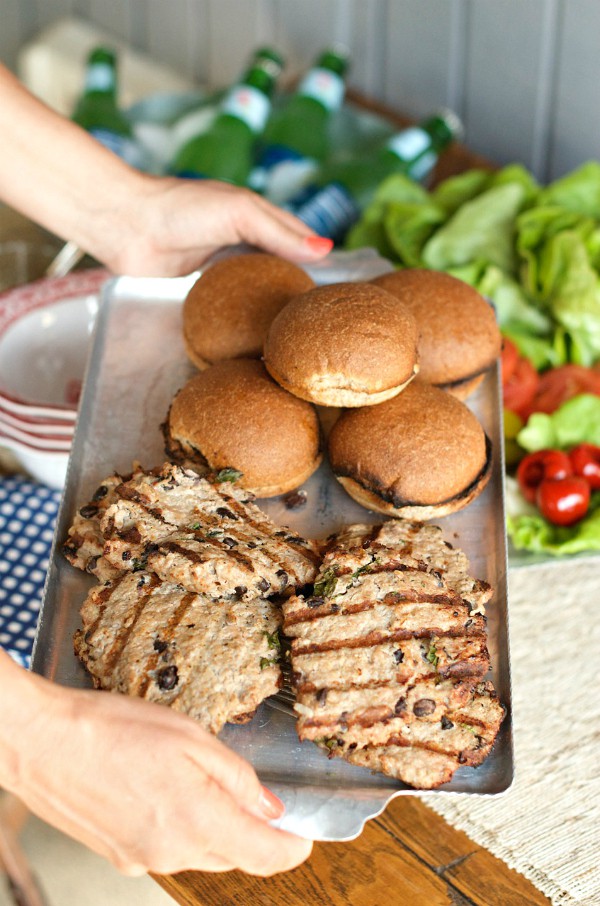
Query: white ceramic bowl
(45, 329)
(47, 466)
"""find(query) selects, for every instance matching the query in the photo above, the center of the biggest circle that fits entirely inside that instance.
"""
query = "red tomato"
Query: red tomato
(521, 387)
(585, 459)
(509, 357)
(557, 385)
(563, 501)
(539, 466)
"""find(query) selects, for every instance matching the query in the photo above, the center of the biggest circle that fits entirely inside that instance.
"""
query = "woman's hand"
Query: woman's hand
(174, 225)
(138, 783)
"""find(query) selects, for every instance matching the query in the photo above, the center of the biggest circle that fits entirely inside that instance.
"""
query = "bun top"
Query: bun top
(422, 447)
(343, 335)
(227, 312)
(459, 337)
(234, 414)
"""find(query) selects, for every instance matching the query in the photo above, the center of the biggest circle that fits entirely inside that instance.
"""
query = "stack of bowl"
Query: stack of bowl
(45, 330)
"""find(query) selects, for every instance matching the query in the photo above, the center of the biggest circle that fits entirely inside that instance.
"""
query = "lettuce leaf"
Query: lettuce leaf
(573, 288)
(533, 533)
(455, 191)
(536, 228)
(407, 228)
(370, 230)
(482, 229)
(577, 191)
(575, 422)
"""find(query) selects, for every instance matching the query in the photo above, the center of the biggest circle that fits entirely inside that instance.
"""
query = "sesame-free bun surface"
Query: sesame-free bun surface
(459, 338)
(233, 415)
(344, 344)
(421, 455)
(228, 310)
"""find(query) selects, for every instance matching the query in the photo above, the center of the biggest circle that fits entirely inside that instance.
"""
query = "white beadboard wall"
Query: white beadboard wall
(524, 75)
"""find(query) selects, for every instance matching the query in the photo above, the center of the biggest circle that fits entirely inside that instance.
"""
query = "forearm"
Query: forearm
(22, 704)
(59, 176)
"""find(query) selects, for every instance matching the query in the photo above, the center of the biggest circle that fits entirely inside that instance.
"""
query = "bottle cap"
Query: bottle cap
(335, 57)
(268, 55)
(102, 55)
(452, 122)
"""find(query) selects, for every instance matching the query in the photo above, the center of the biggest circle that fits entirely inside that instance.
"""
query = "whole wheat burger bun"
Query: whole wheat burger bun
(228, 310)
(344, 344)
(459, 338)
(421, 455)
(234, 416)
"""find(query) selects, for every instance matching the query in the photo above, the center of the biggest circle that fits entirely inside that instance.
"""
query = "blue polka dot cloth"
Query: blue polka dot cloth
(27, 518)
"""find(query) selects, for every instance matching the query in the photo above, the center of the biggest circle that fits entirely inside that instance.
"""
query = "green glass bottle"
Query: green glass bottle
(97, 110)
(296, 139)
(345, 187)
(198, 119)
(226, 149)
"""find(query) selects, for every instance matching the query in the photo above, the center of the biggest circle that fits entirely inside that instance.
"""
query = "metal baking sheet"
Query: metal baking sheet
(137, 363)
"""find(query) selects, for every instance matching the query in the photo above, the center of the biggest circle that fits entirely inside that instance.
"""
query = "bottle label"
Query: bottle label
(282, 174)
(414, 146)
(324, 86)
(330, 211)
(249, 105)
(121, 145)
(100, 77)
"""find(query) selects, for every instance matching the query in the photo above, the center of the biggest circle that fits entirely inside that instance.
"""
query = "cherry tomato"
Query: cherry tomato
(557, 385)
(521, 387)
(585, 459)
(509, 357)
(563, 501)
(540, 466)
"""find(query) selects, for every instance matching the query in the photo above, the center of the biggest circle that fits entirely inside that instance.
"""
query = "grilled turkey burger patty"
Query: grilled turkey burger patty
(215, 660)
(389, 654)
(206, 535)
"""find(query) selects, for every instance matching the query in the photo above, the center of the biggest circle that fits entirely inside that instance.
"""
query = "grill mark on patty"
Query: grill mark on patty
(243, 534)
(126, 493)
(167, 636)
(392, 598)
(176, 547)
(122, 638)
(102, 599)
(262, 527)
(377, 636)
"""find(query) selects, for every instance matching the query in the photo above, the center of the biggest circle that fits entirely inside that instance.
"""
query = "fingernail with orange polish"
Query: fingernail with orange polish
(319, 243)
(270, 805)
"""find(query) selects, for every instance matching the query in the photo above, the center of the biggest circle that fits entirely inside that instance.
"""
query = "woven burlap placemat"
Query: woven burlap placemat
(547, 825)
